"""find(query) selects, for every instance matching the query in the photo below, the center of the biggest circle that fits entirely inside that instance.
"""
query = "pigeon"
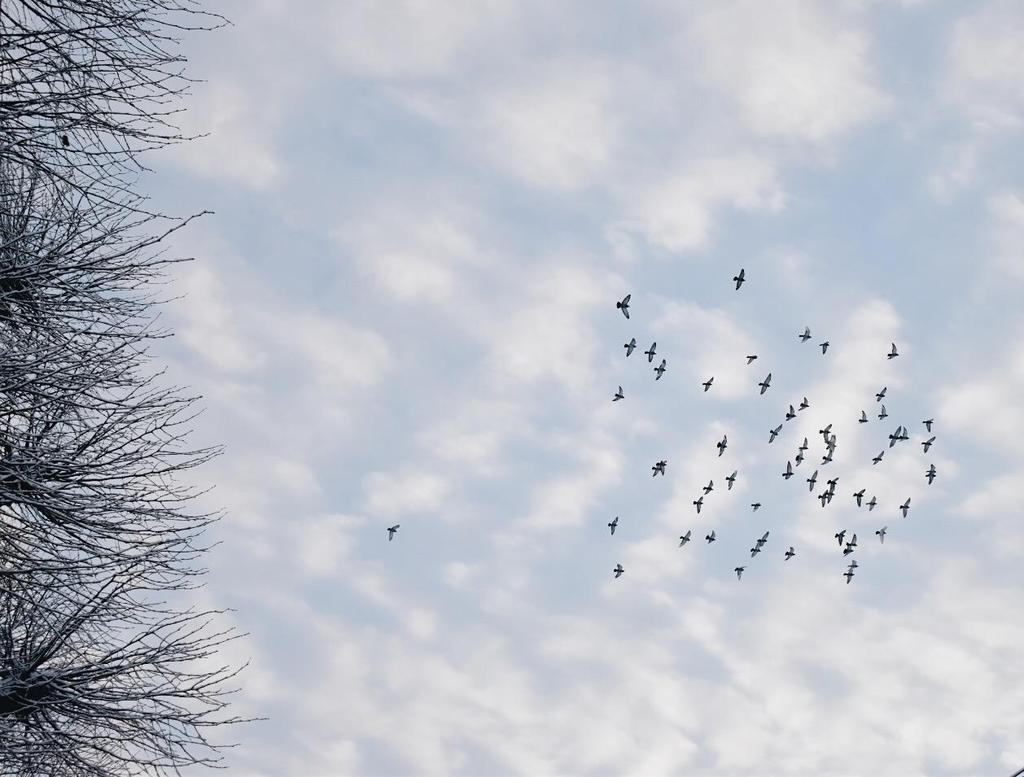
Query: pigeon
(832, 484)
(803, 445)
(630, 346)
(650, 353)
(895, 436)
(763, 540)
(806, 335)
(847, 550)
(392, 531)
(698, 503)
(618, 395)
(791, 414)
(853, 541)
(928, 424)
(881, 533)
(893, 353)
(684, 538)
(660, 370)
(812, 480)
(765, 383)
(853, 564)
(930, 474)
(773, 433)
(750, 358)
(624, 305)
(905, 507)
(790, 553)
(710, 537)
(789, 470)
(804, 405)
(731, 479)
(613, 524)
(754, 551)
(858, 495)
(840, 535)
(739, 572)
(826, 459)
(707, 384)
(709, 487)
(755, 505)
(618, 570)
(740, 278)
(904, 433)
(872, 503)
(825, 432)
(881, 394)
(799, 458)
(848, 574)
(863, 418)
(883, 415)
(878, 458)
(823, 496)
(722, 445)
(928, 443)
(65, 141)
(659, 467)
(830, 443)
(824, 346)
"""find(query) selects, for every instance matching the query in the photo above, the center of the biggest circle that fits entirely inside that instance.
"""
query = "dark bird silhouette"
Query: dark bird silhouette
(824, 498)
(624, 305)
(872, 503)
(895, 436)
(764, 384)
(803, 445)
(613, 524)
(878, 458)
(882, 415)
(799, 458)
(618, 395)
(928, 443)
(618, 570)
(881, 394)
(790, 553)
(710, 537)
(773, 433)
(930, 474)
(812, 480)
(660, 370)
(840, 535)
(698, 503)
(853, 564)
(848, 574)
(824, 346)
(789, 471)
(722, 445)
(832, 484)
(863, 417)
(707, 384)
(709, 487)
(740, 278)
(806, 335)
(853, 541)
(847, 550)
(650, 353)
(858, 495)
(881, 533)
(630, 346)
(739, 572)
(904, 433)
(893, 353)
(825, 432)
(804, 405)
(392, 531)
(659, 467)
(826, 459)
(684, 538)
(830, 443)
(790, 414)
(928, 424)
(65, 141)
(754, 551)
(755, 505)
(905, 507)
(731, 479)
(762, 540)
(750, 358)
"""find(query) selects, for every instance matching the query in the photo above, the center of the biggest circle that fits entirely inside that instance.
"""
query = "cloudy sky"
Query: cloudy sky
(403, 311)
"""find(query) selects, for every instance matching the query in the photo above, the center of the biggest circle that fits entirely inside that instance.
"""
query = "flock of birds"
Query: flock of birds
(848, 547)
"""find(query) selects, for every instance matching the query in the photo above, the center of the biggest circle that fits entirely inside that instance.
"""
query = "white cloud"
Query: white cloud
(1007, 212)
(395, 493)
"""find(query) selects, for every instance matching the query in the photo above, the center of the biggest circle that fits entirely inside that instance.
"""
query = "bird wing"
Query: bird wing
(764, 537)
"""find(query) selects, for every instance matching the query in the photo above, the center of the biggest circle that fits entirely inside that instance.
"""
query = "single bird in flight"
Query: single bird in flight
(905, 507)
(883, 415)
(630, 346)
(790, 553)
(739, 572)
(731, 479)
(840, 535)
(618, 570)
(618, 395)
(928, 443)
(740, 278)
(893, 353)
(824, 346)
(765, 383)
(859, 495)
(763, 540)
(613, 524)
(928, 424)
(659, 467)
(848, 574)
(789, 470)
(650, 353)
(881, 534)
(755, 550)
(755, 505)
(878, 458)
(825, 432)
(806, 335)
(804, 405)
(812, 480)
(773, 433)
(684, 538)
(709, 487)
(698, 503)
(872, 503)
(707, 384)
(790, 414)
(660, 370)
(930, 474)
(710, 537)
(863, 417)
(624, 305)
(750, 358)
(722, 445)
(803, 445)
(881, 394)
(392, 531)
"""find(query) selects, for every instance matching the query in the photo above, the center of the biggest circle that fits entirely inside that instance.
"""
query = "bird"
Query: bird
(883, 415)
(763, 540)
(930, 474)
(928, 424)
(740, 278)
(825, 432)
(660, 370)
(618, 570)
(750, 358)
(853, 564)
(659, 467)
(773, 433)
(824, 346)
(709, 487)
(840, 535)
(684, 538)
(872, 503)
(739, 572)
(698, 503)
(905, 507)
(789, 470)
(755, 505)
(847, 550)
(613, 524)
(826, 459)
(710, 537)
(823, 496)
(848, 574)
(853, 541)
(928, 443)
(790, 553)
(707, 384)
(831, 443)
(722, 445)
(893, 353)
(618, 395)
(863, 418)
(392, 531)
(755, 550)
(650, 353)
(904, 433)
(878, 458)
(799, 458)
(858, 495)
(881, 533)
(624, 305)
(64, 140)
(732, 478)
(812, 480)
(804, 405)
(764, 384)
(790, 414)
(881, 394)
(630, 346)
(803, 445)
(806, 335)
(832, 484)
(895, 436)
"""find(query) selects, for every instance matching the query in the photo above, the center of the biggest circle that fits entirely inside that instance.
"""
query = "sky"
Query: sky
(402, 311)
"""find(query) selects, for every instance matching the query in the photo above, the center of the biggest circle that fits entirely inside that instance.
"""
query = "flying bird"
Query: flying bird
(722, 445)
(853, 564)
(847, 550)
(750, 358)
(858, 495)
(804, 405)
(732, 478)
(765, 383)
(905, 507)
(740, 278)
(630, 346)
(618, 395)
(790, 553)
(799, 458)
(826, 459)
(618, 570)
(755, 505)
(659, 467)
(392, 531)
(840, 535)
(791, 414)
(624, 305)
(825, 432)
(863, 418)
(812, 480)
(684, 538)
(803, 445)
(613, 524)
(832, 484)
(883, 415)
(710, 537)
(824, 497)
(709, 487)
(881, 533)
(773, 433)
(660, 370)
(878, 458)
(763, 540)
(928, 424)
(853, 541)
(707, 384)
(848, 574)
(930, 474)
(895, 436)
(824, 346)
(698, 503)
(789, 470)
(893, 353)
(755, 550)
(650, 353)
(806, 335)
(872, 503)
(739, 572)
(904, 433)
(881, 394)
(928, 443)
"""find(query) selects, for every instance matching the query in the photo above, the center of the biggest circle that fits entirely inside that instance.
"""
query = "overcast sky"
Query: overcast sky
(403, 311)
